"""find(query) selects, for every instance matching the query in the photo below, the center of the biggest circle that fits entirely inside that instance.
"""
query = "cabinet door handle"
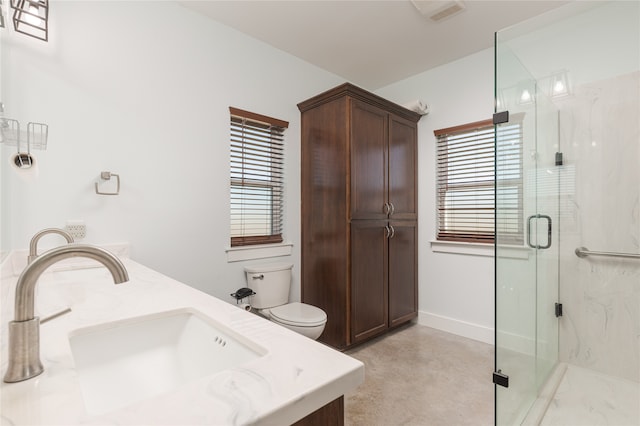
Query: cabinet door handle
(393, 209)
(387, 208)
(393, 231)
(388, 231)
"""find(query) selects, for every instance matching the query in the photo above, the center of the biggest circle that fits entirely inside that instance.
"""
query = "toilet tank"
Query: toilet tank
(271, 283)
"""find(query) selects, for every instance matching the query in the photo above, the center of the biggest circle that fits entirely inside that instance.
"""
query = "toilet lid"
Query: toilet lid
(299, 314)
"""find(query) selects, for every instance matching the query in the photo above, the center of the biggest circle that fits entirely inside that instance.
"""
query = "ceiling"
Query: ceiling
(371, 43)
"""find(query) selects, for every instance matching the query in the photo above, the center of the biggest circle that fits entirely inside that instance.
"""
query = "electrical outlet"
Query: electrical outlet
(76, 228)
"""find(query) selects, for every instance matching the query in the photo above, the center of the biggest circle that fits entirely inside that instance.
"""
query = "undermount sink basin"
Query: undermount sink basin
(126, 361)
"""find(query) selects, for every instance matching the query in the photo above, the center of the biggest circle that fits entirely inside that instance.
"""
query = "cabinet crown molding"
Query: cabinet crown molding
(356, 92)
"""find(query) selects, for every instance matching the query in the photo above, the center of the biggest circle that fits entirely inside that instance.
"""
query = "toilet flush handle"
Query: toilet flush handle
(258, 277)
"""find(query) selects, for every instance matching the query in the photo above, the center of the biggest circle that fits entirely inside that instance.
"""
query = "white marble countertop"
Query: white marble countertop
(295, 377)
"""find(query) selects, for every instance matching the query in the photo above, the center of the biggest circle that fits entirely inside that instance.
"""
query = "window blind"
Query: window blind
(466, 185)
(509, 182)
(257, 155)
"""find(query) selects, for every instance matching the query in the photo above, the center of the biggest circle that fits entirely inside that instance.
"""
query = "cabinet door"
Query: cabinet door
(403, 157)
(403, 272)
(324, 229)
(369, 297)
(368, 136)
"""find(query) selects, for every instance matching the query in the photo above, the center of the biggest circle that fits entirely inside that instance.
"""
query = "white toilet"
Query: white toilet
(271, 284)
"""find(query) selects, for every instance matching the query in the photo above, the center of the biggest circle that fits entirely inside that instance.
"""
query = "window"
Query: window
(466, 186)
(256, 178)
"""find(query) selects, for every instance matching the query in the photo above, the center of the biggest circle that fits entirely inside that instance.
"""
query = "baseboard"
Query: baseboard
(510, 341)
(457, 327)
(517, 343)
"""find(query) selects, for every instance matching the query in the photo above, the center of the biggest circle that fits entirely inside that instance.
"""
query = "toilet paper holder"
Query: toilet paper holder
(10, 134)
(241, 293)
(104, 176)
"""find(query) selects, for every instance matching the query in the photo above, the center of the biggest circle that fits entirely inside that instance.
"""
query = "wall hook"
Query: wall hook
(107, 176)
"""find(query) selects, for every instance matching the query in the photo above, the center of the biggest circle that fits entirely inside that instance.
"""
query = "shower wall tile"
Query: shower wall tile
(600, 139)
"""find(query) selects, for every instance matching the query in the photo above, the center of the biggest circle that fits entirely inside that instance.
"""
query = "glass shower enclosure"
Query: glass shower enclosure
(567, 330)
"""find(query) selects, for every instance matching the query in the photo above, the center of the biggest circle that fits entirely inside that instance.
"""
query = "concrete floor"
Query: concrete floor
(420, 376)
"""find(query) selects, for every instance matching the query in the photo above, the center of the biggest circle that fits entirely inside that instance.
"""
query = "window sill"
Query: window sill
(478, 249)
(456, 247)
(238, 254)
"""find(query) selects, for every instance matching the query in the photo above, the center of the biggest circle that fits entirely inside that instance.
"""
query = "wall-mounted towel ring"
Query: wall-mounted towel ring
(108, 176)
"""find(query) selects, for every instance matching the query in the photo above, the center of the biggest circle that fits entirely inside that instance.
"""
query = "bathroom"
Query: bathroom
(142, 89)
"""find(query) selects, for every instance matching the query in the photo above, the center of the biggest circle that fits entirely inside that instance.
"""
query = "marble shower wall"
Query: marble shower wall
(600, 210)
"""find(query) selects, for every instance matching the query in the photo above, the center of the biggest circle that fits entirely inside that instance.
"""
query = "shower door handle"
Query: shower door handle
(548, 218)
(549, 226)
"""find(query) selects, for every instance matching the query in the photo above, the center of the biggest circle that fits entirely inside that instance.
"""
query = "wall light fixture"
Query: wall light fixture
(526, 92)
(31, 17)
(1, 15)
(559, 84)
(552, 87)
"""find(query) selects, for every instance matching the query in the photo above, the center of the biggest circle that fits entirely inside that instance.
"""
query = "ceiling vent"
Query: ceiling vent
(437, 10)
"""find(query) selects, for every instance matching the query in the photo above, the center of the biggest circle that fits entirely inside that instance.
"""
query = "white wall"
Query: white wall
(592, 41)
(142, 89)
(148, 99)
(456, 291)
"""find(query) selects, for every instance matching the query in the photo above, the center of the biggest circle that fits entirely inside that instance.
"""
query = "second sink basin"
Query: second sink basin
(126, 361)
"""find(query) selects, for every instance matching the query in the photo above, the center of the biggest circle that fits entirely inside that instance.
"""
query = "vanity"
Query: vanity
(156, 351)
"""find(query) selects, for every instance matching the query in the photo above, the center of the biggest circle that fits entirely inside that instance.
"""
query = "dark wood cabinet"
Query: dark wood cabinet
(331, 414)
(403, 271)
(359, 213)
(402, 169)
(369, 279)
(369, 147)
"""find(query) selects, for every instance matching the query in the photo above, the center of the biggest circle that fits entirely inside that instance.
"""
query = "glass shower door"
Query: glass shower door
(527, 243)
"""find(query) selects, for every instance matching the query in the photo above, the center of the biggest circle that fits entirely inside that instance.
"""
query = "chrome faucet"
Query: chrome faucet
(33, 245)
(24, 330)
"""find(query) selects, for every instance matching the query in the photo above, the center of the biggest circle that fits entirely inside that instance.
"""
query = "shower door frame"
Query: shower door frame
(526, 277)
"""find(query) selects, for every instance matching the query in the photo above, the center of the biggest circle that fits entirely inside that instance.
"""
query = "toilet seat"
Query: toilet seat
(299, 314)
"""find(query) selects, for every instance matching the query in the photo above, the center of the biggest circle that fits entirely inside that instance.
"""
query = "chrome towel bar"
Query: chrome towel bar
(584, 252)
